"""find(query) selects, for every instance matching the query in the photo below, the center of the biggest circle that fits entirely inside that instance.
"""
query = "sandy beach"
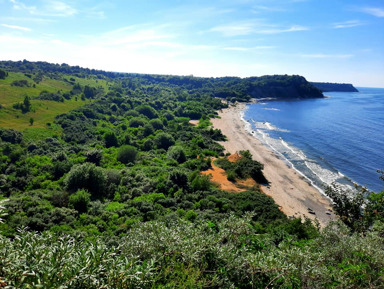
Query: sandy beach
(290, 190)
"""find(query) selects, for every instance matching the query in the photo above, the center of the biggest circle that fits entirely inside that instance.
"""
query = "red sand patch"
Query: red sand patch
(219, 178)
(234, 158)
(194, 122)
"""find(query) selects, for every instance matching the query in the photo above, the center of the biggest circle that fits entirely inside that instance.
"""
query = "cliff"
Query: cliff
(327, 86)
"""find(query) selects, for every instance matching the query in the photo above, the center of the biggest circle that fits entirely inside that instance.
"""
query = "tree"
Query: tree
(147, 110)
(89, 177)
(164, 140)
(179, 178)
(26, 104)
(358, 210)
(127, 154)
(89, 92)
(80, 200)
(3, 74)
(94, 156)
(31, 120)
(156, 123)
(110, 139)
(177, 153)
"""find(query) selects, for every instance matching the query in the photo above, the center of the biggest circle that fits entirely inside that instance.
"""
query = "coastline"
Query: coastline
(289, 189)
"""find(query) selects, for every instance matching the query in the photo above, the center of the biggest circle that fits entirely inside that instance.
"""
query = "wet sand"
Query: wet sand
(290, 190)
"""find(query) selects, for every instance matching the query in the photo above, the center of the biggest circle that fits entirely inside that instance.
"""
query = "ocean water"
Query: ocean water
(335, 139)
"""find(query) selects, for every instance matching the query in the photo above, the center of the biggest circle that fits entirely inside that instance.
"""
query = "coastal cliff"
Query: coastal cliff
(284, 86)
(327, 86)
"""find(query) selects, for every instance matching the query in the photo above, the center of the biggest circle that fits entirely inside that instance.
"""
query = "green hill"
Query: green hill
(101, 186)
(341, 87)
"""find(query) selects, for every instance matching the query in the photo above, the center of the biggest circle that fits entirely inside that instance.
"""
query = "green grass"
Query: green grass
(10, 95)
(43, 111)
(92, 81)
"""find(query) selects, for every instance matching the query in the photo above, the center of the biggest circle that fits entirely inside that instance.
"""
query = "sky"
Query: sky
(322, 40)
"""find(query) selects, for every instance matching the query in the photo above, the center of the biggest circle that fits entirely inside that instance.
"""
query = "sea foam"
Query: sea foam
(318, 175)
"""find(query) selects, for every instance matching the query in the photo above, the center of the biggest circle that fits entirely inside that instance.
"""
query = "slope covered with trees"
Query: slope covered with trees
(327, 86)
(104, 189)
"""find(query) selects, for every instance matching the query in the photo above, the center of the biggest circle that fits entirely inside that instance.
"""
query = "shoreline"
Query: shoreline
(291, 191)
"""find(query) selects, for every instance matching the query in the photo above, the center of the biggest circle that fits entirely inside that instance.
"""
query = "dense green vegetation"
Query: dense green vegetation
(103, 189)
(326, 86)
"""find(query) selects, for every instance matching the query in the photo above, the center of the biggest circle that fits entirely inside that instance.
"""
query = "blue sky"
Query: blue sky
(323, 40)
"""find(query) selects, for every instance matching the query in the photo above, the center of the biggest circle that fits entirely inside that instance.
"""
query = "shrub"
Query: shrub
(94, 156)
(176, 153)
(164, 140)
(11, 136)
(179, 178)
(156, 123)
(136, 122)
(148, 130)
(201, 183)
(147, 145)
(110, 140)
(127, 154)
(89, 92)
(147, 110)
(89, 177)
(80, 200)
(191, 215)
(3, 74)
(231, 176)
(21, 83)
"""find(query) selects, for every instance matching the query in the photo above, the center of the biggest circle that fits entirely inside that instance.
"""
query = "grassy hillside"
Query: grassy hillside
(105, 189)
(43, 112)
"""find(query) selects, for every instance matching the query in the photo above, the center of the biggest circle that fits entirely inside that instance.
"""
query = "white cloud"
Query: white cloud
(253, 27)
(323, 55)
(58, 9)
(138, 35)
(237, 48)
(50, 8)
(235, 29)
(21, 6)
(10, 43)
(256, 48)
(347, 24)
(259, 9)
(16, 27)
(293, 28)
(375, 11)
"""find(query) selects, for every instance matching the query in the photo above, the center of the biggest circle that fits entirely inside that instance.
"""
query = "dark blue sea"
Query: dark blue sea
(335, 139)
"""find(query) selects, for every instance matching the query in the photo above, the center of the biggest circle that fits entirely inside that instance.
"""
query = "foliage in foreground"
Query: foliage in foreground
(360, 209)
(180, 254)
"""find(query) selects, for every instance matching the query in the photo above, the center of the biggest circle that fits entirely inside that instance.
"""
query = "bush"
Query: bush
(80, 200)
(179, 178)
(3, 74)
(21, 83)
(176, 153)
(147, 110)
(89, 177)
(137, 122)
(164, 140)
(110, 140)
(156, 123)
(127, 154)
(94, 156)
(11, 136)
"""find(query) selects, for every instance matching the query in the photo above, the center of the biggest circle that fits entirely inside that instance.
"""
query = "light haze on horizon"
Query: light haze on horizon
(322, 40)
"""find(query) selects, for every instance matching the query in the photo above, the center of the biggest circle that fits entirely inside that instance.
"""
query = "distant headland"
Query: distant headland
(327, 86)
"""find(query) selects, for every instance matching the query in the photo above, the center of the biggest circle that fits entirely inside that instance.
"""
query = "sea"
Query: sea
(337, 139)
